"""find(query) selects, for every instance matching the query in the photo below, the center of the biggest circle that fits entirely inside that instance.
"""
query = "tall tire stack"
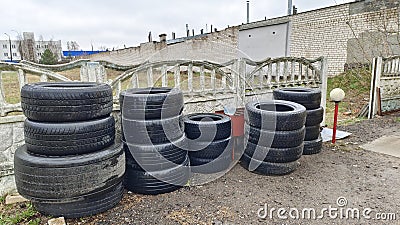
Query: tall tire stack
(70, 165)
(274, 134)
(311, 99)
(154, 142)
(209, 142)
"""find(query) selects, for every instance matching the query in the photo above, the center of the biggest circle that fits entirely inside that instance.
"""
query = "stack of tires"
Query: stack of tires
(209, 142)
(70, 165)
(274, 133)
(311, 99)
(154, 140)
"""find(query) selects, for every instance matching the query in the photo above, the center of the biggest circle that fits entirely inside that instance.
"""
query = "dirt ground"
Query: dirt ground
(367, 181)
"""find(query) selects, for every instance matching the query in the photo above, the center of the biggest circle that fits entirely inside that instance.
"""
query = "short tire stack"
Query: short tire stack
(274, 134)
(209, 142)
(70, 165)
(311, 99)
(154, 140)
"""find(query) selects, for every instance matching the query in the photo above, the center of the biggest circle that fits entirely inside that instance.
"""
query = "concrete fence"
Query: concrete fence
(207, 87)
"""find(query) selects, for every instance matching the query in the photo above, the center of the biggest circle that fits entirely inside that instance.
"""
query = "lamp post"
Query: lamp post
(9, 41)
(336, 95)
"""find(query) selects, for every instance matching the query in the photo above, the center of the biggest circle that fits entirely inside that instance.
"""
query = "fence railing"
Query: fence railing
(200, 81)
(385, 86)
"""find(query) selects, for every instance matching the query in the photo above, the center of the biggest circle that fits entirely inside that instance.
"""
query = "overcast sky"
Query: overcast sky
(115, 23)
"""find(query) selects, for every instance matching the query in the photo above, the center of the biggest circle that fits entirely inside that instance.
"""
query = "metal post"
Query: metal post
(335, 122)
(9, 41)
(248, 11)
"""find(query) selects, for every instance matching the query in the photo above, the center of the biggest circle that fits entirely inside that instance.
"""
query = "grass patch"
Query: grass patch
(356, 84)
(19, 214)
(397, 119)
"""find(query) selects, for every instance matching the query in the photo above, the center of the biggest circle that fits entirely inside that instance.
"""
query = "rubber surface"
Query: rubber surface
(312, 147)
(267, 168)
(314, 116)
(274, 139)
(308, 97)
(274, 155)
(312, 133)
(151, 103)
(210, 150)
(152, 131)
(275, 115)
(69, 138)
(66, 101)
(207, 126)
(83, 206)
(51, 178)
(157, 182)
(210, 166)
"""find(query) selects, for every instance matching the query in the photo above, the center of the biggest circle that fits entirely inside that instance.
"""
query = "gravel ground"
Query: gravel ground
(366, 179)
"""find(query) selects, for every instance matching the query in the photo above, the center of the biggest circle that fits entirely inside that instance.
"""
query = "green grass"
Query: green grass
(356, 84)
(398, 119)
(23, 215)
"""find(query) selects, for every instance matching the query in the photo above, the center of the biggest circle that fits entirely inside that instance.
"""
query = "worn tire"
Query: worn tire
(275, 115)
(274, 139)
(69, 138)
(66, 101)
(312, 133)
(210, 150)
(151, 103)
(274, 155)
(312, 147)
(200, 126)
(268, 168)
(147, 132)
(314, 116)
(210, 166)
(83, 206)
(157, 182)
(156, 157)
(308, 97)
(51, 178)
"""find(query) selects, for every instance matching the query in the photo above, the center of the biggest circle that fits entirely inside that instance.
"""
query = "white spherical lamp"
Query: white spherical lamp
(337, 95)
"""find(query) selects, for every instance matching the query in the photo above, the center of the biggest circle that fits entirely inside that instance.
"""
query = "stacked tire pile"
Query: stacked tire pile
(209, 142)
(274, 133)
(70, 165)
(311, 99)
(153, 139)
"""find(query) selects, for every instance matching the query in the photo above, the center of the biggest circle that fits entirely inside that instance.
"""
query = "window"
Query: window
(5, 46)
(14, 54)
(46, 46)
(12, 46)
(6, 54)
(37, 46)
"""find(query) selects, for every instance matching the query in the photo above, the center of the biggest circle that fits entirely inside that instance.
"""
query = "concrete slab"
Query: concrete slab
(389, 145)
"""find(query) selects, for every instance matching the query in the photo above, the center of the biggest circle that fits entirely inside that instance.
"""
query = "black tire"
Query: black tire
(157, 182)
(274, 155)
(66, 101)
(149, 132)
(210, 150)
(268, 168)
(69, 138)
(207, 126)
(314, 116)
(312, 133)
(82, 206)
(151, 103)
(312, 147)
(210, 166)
(308, 97)
(274, 139)
(275, 115)
(156, 157)
(51, 178)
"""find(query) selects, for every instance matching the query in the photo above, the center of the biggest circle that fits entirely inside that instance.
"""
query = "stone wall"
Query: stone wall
(219, 47)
